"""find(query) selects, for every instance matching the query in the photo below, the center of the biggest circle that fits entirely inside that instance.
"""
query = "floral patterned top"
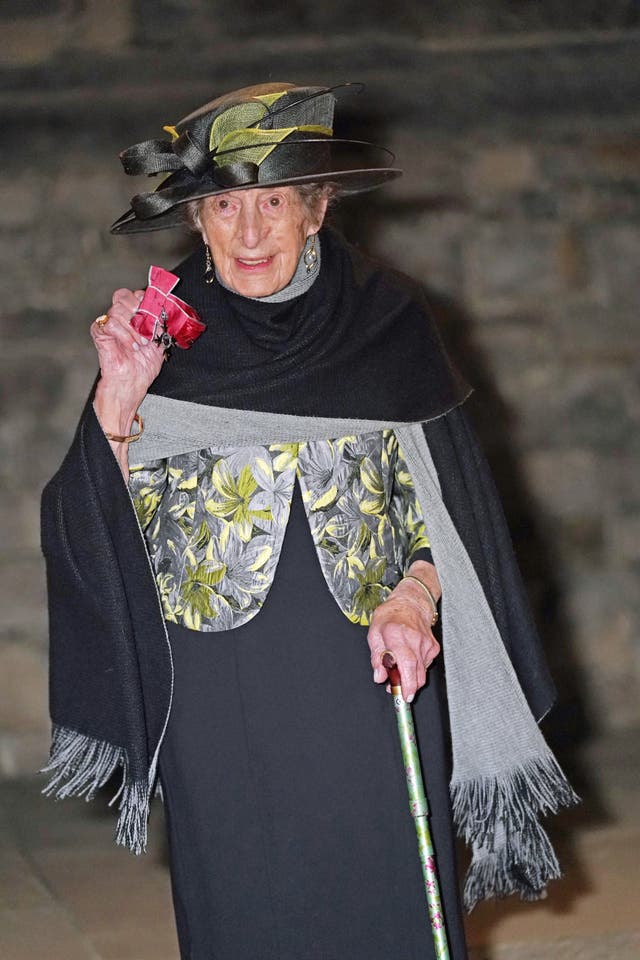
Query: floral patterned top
(214, 521)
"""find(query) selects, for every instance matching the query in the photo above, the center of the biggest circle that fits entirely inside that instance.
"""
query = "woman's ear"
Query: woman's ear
(318, 216)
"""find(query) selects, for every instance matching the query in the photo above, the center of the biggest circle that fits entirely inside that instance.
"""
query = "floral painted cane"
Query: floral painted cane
(418, 806)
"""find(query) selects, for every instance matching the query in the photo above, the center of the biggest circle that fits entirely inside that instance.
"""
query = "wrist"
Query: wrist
(420, 585)
(116, 415)
(426, 573)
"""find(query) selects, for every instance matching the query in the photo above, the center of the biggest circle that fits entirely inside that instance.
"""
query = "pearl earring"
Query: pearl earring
(310, 258)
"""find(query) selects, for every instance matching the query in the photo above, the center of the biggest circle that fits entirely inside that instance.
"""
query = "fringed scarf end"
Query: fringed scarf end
(499, 818)
(131, 830)
(522, 865)
(80, 765)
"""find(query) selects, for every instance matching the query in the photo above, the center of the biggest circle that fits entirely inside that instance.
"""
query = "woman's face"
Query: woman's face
(256, 236)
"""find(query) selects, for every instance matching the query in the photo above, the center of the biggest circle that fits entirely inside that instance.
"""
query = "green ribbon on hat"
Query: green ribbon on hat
(236, 129)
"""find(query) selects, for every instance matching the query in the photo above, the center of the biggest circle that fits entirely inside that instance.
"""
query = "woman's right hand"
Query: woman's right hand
(128, 366)
(128, 362)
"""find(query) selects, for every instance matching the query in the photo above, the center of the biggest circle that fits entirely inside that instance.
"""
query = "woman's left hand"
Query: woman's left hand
(402, 624)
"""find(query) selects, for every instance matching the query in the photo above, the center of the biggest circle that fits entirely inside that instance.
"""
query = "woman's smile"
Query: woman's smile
(254, 264)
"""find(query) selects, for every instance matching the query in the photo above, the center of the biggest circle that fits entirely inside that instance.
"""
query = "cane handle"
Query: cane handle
(390, 665)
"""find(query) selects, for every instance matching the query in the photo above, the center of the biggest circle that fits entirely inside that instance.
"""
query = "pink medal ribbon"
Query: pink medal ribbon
(163, 317)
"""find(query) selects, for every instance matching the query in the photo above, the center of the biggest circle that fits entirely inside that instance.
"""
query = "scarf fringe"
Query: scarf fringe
(511, 851)
(81, 765)
(524, 868)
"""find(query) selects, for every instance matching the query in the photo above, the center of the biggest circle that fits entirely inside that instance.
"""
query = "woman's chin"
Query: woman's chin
(253, 289)
(259, 281)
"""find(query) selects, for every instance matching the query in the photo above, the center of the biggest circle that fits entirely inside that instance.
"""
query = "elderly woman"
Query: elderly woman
(306, 488)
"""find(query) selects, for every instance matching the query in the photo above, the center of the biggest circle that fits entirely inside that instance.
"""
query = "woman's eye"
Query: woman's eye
(223, 204)
(274, 201)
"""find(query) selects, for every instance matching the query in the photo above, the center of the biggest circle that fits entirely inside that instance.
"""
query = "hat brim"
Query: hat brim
(349, 183)
(354, 166)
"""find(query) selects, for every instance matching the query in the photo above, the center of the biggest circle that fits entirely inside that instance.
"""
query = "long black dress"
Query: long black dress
(289, 828)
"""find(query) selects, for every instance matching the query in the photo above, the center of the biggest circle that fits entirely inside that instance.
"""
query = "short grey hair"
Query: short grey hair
(311, 196)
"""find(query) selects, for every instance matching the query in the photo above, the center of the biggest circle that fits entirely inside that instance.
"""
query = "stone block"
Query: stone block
(20, 520)
(22, 598)
(42, 399)
(21, 271)
(518, 355)
(595, 408)
(579, 540)
(27, 41)
(622, 480)
(21, 202)
(590, 181)
(605, 618)
(507, 168)
(432, 171)
(614, 255)
(23, 688)
(111, 33)
(572, 260)
(567, 483)
(512, 266)
(622, 533)
(427, 248)
(616, 157)
(90, 190)
(161, 21)
(25, 328)
(602, 200)
(539, 203)
(590, 333)
(35, 385)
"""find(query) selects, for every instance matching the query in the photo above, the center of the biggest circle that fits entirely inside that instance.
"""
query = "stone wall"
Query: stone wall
(519, 210)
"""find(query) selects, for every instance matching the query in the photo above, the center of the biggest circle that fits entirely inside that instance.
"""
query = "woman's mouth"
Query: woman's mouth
(254, 264)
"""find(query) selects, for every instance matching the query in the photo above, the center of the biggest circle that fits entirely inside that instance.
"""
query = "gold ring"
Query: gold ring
(103, 320)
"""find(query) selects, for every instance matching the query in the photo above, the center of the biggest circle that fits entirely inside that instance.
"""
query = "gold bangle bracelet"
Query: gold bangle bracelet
(432, 599)
(132, 436)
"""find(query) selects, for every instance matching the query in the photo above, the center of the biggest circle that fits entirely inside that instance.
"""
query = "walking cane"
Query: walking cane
(418, 806)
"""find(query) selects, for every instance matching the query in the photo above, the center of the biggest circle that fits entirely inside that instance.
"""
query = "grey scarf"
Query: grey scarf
(504, 775)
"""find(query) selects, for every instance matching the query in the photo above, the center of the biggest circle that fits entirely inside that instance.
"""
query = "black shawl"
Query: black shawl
(358, 344)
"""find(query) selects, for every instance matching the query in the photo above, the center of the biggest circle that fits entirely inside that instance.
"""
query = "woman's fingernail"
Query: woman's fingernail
(410, 698)
(136, 346)
(143, 340)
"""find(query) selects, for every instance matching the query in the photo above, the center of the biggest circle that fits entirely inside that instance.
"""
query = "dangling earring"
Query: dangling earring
(209, 272)
(310, 258)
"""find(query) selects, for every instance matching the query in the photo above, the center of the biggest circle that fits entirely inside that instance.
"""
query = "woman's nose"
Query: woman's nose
(252, 226)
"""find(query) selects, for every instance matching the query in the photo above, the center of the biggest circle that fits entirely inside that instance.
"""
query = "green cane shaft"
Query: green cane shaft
(419, 808)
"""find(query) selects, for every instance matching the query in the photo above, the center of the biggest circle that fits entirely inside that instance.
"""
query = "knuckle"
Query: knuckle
(408, 660)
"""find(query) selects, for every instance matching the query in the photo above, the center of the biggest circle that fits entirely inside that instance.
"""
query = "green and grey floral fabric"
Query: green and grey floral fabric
(214, 522)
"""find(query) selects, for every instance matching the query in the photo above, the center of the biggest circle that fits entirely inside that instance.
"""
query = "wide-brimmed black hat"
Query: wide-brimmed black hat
(273, 134)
